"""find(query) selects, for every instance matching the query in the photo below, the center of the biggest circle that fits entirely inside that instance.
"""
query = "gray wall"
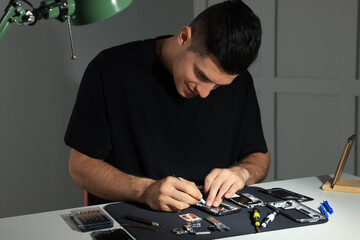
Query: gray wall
(307, 82)
(38, 86)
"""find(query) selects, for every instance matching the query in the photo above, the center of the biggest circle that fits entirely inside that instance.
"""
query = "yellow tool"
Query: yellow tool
(256, 217)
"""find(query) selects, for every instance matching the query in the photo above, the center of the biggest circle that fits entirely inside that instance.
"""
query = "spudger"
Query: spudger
(142, 220)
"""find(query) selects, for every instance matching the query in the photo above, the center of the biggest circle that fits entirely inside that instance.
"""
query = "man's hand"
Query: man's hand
(220, 183)
(104, 180)
(171, 194)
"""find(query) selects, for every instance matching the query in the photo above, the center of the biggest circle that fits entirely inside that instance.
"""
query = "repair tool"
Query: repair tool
(91, 219)
(269, 218)
(142, 220)
(327, 207)
(256, 217)
(322, 209)
(202, 201)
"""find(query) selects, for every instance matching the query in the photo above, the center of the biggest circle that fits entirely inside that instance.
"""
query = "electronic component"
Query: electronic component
(179, 231)
(246, 200)
(222, 209)
(190, 217)
(216, 225)
(297, 211)
(91, 219)
(188, 228)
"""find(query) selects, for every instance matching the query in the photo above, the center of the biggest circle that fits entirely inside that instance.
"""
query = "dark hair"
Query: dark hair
(231, 32)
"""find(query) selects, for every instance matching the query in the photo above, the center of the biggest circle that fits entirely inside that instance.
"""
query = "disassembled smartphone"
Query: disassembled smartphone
(221, 210)
(246, 200)
(297, 211)
(285, 194)
(118, 234)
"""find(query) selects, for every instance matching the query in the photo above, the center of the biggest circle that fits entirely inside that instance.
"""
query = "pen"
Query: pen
(269, 218)
(142, 220)
(202, 201)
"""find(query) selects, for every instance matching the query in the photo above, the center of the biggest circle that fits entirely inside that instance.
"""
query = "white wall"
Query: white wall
(38, 86)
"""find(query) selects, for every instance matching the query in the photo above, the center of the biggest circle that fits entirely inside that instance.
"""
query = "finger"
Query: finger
(189, 188)
(173, 205)
(233, 189)
(213, 191)
(177, 206)
(209, 180)
(222, 191)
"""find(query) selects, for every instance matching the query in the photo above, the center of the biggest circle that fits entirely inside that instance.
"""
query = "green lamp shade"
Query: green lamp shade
(89, 11)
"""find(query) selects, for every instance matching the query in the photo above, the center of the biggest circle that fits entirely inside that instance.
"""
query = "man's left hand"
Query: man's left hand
(220, 183)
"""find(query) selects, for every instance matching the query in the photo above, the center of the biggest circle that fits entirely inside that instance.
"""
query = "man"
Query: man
(148, 110)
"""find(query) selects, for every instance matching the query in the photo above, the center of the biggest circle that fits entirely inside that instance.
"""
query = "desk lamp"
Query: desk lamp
(75, 12)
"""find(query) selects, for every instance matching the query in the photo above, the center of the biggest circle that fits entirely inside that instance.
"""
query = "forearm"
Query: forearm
(104, 180)
(253, 167)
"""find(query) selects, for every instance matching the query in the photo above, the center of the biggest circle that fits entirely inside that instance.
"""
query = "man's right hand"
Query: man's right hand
(103, 180)
(171, 194)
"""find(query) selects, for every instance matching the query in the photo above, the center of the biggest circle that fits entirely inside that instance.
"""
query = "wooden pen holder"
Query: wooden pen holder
(343, 185)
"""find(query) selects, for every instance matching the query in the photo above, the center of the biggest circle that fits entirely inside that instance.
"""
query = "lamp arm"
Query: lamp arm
(49, 9)
(14, 12)
(59, 9)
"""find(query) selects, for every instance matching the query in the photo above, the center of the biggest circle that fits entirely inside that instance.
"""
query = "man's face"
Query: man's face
(198, 75)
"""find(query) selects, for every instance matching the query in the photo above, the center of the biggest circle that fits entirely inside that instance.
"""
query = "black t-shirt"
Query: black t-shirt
(129, 113)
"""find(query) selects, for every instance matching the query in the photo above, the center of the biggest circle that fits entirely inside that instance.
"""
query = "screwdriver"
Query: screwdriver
(256, 217)
(269, 218)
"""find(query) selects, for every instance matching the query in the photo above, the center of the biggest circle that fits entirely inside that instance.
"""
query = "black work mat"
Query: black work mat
(240, 223)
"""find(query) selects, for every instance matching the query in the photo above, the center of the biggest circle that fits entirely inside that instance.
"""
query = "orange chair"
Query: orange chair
(89, 199)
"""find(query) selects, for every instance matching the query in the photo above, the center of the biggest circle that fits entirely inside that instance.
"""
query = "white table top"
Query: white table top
(343, 224)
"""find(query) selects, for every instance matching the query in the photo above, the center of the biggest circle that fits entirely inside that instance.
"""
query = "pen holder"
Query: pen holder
(343, 185)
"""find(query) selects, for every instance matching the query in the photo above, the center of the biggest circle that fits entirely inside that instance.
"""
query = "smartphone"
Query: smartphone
(285, 194)
(113, 234)
(221, 210)
(246, 200)
(297, 211)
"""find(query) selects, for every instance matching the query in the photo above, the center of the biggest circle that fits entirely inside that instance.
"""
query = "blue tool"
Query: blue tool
(323, 211)
(327, 207)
